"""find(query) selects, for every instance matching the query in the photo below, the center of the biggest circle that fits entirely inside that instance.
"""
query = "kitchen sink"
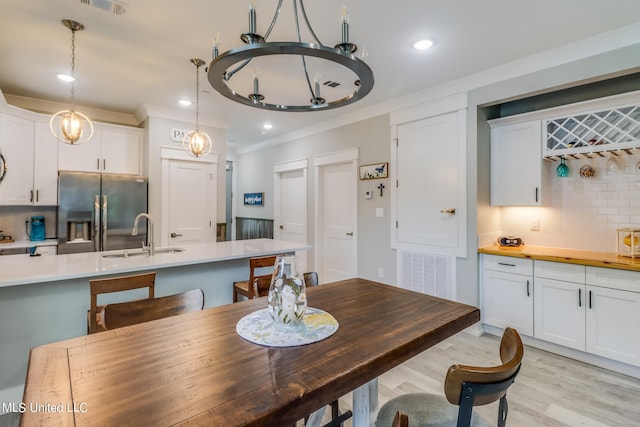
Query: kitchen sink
(137, 252)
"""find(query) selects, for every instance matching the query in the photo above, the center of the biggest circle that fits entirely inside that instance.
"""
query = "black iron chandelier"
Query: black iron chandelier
(313, 56)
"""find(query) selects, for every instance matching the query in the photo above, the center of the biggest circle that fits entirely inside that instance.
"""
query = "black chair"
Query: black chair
(466, 387)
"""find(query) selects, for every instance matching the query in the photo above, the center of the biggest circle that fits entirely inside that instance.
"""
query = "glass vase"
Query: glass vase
(287, 301)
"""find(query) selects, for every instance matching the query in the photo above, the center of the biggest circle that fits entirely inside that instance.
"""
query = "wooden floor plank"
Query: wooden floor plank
(551, 390)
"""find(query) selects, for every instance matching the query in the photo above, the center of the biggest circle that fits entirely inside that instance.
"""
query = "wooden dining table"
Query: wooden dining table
(195, 370)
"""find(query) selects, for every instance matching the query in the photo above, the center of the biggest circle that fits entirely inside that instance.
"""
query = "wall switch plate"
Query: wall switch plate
(380, 212)
(380, 273)
(535, 224)
(368, 194)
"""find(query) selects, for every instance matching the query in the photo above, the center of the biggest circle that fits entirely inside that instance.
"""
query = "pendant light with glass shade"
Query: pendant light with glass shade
(71, 126)
(196, 142)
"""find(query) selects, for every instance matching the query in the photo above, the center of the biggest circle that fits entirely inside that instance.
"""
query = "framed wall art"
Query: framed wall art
(374, 171)
(254, 199)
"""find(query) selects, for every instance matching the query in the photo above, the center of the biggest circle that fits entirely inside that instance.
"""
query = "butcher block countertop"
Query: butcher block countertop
(569, 256)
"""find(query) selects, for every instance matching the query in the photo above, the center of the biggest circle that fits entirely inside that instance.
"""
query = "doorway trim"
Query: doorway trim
(349, 156)
(167, 154)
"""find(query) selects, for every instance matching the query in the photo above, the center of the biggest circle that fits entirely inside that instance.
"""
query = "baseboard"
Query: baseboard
(10, 396)
(581, 356)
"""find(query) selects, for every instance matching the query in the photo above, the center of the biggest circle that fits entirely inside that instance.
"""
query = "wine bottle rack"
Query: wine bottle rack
(615, 129)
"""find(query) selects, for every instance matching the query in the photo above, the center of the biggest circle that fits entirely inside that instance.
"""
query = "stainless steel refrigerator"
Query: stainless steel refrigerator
(96, 211)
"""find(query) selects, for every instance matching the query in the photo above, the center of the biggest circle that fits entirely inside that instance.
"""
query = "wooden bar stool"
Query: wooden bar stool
(245, 287)
(114, 284)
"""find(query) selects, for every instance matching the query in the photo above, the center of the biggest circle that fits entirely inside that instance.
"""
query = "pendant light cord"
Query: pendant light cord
(73, 69)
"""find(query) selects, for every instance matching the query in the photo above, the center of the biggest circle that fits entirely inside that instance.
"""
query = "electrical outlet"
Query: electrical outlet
(535, 224)
(380, 273)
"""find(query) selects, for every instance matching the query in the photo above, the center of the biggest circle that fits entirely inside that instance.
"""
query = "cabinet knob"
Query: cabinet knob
(450, 211)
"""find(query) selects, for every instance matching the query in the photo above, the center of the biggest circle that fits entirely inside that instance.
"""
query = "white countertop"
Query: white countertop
(24, 269)
(23, 244)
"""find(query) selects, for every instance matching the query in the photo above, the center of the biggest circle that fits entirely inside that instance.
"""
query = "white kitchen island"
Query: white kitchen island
(45, 299)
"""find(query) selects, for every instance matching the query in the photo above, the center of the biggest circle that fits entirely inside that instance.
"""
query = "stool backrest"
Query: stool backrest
(133, 312)
(116, 284)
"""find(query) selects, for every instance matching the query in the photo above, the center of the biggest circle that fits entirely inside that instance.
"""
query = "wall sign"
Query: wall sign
(177, 135)
(254, 199)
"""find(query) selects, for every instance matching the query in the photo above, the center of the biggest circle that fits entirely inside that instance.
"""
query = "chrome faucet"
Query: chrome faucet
(149, 247)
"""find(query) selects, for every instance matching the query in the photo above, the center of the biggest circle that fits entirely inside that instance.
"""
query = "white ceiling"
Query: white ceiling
(142, 56)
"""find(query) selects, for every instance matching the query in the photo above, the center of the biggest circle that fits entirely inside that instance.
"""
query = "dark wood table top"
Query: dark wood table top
(195, 370)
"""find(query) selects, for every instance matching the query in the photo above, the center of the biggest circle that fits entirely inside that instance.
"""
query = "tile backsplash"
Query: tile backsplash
(581, 213)
(12, 220)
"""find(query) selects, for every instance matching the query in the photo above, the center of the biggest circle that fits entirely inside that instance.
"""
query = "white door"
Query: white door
(290, 209)
(428, 173)
(338, 221)
(191, 202)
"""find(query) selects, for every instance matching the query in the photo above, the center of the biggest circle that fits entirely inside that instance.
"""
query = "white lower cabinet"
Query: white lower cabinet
(559, 313)
(613, 315)
(507, 289)
(590, 309)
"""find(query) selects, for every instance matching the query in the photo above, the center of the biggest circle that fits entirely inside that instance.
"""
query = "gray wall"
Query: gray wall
(372, 137)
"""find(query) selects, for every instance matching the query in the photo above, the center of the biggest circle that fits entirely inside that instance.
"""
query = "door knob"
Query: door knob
(175, 235)
(282, 227)
(349, 233)
(450, 211)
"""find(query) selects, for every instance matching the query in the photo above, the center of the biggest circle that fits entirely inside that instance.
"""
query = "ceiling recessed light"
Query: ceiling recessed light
(267, 126)
(184, 102)
(423, 44)
(65, 77)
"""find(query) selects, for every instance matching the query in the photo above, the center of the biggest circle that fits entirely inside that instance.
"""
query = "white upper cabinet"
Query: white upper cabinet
(31, 156)
(516, 164)
(113, 149)
(45, 166)
(16, 146)
(428, 181)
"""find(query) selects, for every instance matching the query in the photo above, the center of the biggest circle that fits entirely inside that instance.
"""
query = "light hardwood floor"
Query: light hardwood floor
(551, 390)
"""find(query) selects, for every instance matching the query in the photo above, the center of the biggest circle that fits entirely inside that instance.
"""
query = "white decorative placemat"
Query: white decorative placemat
(258, 327)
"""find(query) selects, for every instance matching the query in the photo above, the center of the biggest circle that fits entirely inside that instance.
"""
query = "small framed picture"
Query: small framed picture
(375, 171)
(254, 199)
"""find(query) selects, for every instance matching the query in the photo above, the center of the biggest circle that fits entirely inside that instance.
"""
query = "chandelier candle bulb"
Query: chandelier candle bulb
(252, 17)
(344, 18)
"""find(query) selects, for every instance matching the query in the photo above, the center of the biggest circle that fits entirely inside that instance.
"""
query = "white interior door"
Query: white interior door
(428, 174)
(337, 213)
(191, 202)
(290, 209)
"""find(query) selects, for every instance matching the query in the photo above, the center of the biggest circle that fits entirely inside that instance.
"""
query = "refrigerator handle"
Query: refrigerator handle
(104, 222)
(96, 223)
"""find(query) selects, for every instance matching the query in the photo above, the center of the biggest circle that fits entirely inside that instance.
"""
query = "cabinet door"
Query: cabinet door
(559, 312)
(121, 151)
(16, 146)
(45, 162)
(82, 158)
(516, 164)
(613, 317)
(508, 301)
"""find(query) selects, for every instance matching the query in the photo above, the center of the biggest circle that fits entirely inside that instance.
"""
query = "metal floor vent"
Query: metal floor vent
(115, 7)
(426, 273)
